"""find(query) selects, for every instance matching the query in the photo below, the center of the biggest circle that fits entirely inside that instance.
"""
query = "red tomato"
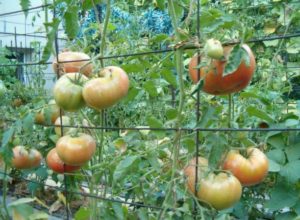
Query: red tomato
(67, 66)
(76, 151)
(26, 159)
(56, 164)
(220, 190)
(251, 170)
(68, 91)
(214, 81)
(105, 91)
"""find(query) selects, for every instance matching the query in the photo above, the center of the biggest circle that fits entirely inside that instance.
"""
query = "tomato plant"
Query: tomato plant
(215, 82)
(71, 62)
(68, 91)
(76, 150)
(106, 90)
(26, 159)
(57, 165)
(250, 170)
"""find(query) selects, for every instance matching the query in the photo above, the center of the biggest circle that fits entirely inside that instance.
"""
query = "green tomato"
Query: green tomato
(68, 91)
(214, 49)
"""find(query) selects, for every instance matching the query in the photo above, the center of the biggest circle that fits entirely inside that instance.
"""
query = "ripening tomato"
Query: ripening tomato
(214, 49)
(26, 159)
(249, 170)
(52, 109)
(220, 190)
(212, 74)
(71, 62)
(57, 165)
(68, 91)
(76, 150)
(106, 90)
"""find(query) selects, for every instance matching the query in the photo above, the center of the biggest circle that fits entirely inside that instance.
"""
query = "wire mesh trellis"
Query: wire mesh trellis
(103, 127)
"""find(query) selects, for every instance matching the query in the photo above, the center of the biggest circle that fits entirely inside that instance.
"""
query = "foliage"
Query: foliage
(143, 166)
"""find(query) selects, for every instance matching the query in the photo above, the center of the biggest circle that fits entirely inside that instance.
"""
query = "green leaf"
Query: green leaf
(88, 4)
(273, 166)
(169, 76)
(160, 4)
(124, 167)
(253, 111)
(7, 135)
(150, 87)
(28, 122)
(291, 171)
(25, 4)
(39, 216)
(118, 210)
(293, 152)
(235, 59)
(281, 196)
(133, 92)
(276, 141)
(189, 144)
(217, 144)
(154, 122)
(21, 201)
(171, 113)
(71, 21)
(297, 208)
(133, 68)
(50, 38)
(277, 155)
(83, 213)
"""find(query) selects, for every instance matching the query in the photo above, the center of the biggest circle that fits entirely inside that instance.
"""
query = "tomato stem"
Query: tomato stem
(177, 137)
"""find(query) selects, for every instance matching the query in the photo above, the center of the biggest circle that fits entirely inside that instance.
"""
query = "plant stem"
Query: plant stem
(103, 40)
(5, 191)
(176, 142)
(229, 110)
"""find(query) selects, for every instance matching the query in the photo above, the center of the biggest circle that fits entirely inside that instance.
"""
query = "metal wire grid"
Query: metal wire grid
(197, 107)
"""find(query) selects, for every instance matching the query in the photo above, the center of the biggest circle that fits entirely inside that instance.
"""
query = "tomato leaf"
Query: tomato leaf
(291, 171)
(154, 122)
(150, 87)
(71, 21)
(7, 135)
(234, 60)
(118, 210)
(281, 196)
(273, 166)
(83, 213)
(28, 122)
(88, 4)
(292, 152)
(217, 144)
(50, 39)
(25, 4)
(169, 76)
(253, 111)
(124, 166)
(277, 155)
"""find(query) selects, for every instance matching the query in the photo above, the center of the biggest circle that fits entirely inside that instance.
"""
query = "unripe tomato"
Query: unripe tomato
(105, 91)
(77, 150)
(66, 121)
(214, 49)
(26, 159)
(57, 165)
(214, 81)
(68, 91)
(220, 190)
(251, 170)
(52, 109)
(67, 66)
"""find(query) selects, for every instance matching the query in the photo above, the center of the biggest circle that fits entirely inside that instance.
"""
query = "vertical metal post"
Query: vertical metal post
(197, 111)
(60, 116)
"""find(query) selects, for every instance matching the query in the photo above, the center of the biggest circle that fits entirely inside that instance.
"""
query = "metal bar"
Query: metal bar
(29, 35)
(28, 9)
(287, 36)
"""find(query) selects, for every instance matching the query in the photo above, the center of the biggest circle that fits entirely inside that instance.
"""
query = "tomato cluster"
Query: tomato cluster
(223, 189)
(212, 74)
(73, 90)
